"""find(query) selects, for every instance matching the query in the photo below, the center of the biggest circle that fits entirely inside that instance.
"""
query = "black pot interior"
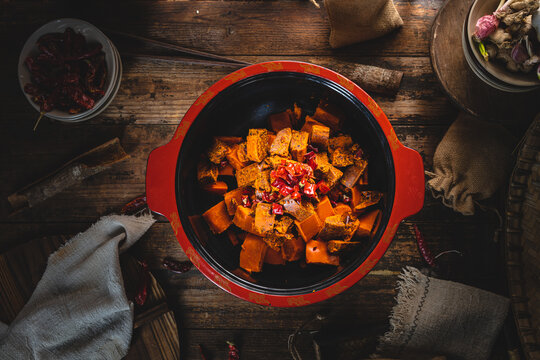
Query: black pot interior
(247, 104)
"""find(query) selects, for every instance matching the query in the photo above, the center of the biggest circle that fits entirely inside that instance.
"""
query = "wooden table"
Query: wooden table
(154, 96)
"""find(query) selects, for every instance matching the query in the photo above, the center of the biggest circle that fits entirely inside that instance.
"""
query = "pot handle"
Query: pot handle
(410, 182)
(160, 178)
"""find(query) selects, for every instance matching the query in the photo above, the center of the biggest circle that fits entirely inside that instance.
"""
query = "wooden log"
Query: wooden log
(376, 79)
(73, 172)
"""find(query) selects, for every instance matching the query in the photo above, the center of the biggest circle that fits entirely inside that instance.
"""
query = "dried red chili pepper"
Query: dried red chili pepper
(313, 148)
(144, 280)
(422, 246)
(277, 209)
(309, 190)
(246, 201)
(134, 205)
(234, 353)
(177, 266)
(323, 187)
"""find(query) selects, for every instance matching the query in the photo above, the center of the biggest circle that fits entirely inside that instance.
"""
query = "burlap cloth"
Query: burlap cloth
(472, 161)
(353, 21)
(441, 317)
(79, 309)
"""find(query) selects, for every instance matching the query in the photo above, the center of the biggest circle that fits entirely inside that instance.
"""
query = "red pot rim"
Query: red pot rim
(408, 197)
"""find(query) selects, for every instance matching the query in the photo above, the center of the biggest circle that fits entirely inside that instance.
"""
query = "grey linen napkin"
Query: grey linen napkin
(79, 309)
(471, 162)
(441, 317)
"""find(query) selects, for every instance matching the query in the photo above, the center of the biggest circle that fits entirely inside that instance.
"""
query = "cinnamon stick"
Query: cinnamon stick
(376, 79)
(71, 173)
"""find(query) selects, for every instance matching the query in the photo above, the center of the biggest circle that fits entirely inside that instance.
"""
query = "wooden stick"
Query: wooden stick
(178, 48)
(376, 79)
(184, 60)
(71, 173)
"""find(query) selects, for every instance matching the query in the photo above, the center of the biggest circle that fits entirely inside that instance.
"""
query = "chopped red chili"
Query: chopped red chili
(177, 266)
(277, 209)
(144, 279)
(234, 353)
(422, 246)
(323, 187)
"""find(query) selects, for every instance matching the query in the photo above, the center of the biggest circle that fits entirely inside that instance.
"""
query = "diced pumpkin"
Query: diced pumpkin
(282, 225)
(368, 198)
(324, 209)
(233, 237)
(262, 182)
(341, 157)
(217, 151)
(264, 218)
(230, 140)
(342, 209)
(226, 170)
(330, 173)
(247, 176)
(273, 257)
(296, 209)
(275, 240)
(339, 227)
(257, 144)
(233, 199)
(368, 223)
(319, 136)
(299, 143)
(293, 249)
(237, 156)
(252, 254)
(280, 121)
(335, 246)
(309, 123)
(327, 115)
(270, 137)
(309, 227)
(218, 218)
(218, 188)
(317, 253)
(353, 173)
(207, 172)
(296, 115)
(342, 141)
(364, 178)
(244, 218)
(280, 145)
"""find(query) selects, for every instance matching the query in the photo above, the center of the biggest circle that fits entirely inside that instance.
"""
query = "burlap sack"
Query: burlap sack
(441, 317)
(353, 21)
(471, 163)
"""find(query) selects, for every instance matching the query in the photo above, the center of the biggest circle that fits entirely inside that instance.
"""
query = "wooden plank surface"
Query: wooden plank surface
(152, 99)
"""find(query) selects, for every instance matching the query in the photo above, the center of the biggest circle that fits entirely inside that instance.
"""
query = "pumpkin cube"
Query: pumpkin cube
(326, 114)
(319, 136)
(309, 227)
(341, 158)
(230, 140)
(264, 218)
(353, 173)
(273, 257)
(280, 121)
(218, 218)
(280, 146)
(233, 199)
(336, 246)
(339, 227)
(207, 172)
(317, 253)
(309, 123)
(330, 174)
(299, 143)
(342, 208)
(324, 209)
(339, 142)
(218, 151)
(293, 249)
(295, 208)
(247, 176)
(296, 116)
(262, 182)
(237, 156)
(368, 198)
(257, 144)
(368, 223)
(283, 225)
(244, 218)
(252, 254)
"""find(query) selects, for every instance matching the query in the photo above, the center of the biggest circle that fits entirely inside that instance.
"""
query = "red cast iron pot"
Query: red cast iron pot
(243, 100)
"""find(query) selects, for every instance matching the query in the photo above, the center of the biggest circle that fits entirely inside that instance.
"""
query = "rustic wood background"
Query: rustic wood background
(154, 96)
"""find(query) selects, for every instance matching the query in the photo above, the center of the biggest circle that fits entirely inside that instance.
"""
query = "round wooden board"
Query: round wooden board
(464, 88)
(155, 334)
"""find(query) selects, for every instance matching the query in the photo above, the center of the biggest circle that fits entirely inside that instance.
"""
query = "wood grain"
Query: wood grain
(153, 98)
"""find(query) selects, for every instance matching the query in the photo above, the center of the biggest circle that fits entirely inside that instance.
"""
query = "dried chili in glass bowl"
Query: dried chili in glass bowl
(69, 70)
